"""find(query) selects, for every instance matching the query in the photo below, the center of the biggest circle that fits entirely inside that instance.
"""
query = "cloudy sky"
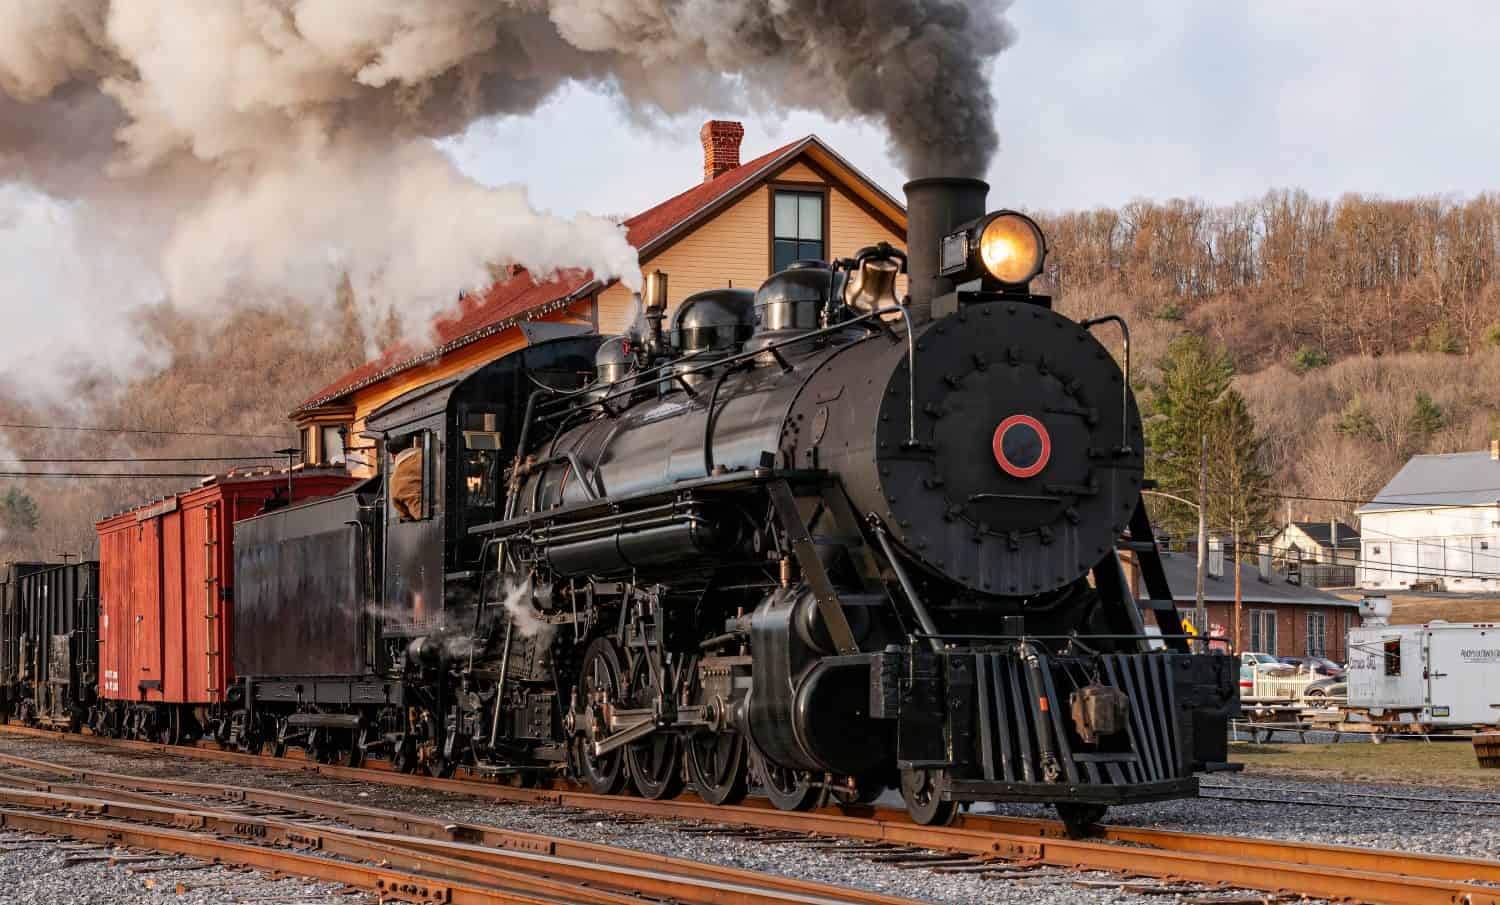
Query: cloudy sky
(1103, 102)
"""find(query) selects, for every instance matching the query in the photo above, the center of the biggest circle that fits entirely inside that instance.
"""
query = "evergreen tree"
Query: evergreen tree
(1426, 419)
(18, 514)
(1193, 376)
(1238, 485)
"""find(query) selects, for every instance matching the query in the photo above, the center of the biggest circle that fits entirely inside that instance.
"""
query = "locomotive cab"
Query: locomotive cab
(445, 452)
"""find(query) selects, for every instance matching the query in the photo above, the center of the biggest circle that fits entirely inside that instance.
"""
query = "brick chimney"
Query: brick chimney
(721, 147)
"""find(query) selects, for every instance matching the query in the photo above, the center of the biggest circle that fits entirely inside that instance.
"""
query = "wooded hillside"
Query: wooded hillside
(1360, 331)
(239, 377)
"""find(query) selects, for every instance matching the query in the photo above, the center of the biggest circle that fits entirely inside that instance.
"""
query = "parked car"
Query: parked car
(1250, 663)
(1326, 688)
(1320, 665)
(1255, 661)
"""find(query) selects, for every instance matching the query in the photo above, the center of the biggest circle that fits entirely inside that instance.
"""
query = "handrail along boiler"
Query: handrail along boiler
(813, 535)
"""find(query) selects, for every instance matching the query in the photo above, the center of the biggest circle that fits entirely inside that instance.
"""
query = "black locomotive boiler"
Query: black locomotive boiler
(815, 537)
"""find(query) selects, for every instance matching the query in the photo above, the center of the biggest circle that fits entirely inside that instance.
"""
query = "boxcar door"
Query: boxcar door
(145, 681)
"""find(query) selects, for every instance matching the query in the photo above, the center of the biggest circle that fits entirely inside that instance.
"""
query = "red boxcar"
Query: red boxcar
(166, 602)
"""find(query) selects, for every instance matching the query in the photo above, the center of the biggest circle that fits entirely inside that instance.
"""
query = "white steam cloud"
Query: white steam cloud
(212, 152)
(517, 602)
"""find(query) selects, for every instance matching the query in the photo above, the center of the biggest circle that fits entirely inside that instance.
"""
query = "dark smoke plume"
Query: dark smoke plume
(268, 148)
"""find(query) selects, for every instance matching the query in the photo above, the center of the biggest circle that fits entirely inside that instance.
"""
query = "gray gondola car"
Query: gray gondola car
(49, 641)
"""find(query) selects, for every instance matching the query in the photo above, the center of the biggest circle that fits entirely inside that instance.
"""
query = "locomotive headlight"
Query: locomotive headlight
(1004, 248)
(1012, 248)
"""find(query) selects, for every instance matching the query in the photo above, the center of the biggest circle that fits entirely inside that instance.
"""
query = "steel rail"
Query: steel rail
(386, 881)
(286, 835)
(1263, 864)
(497, 846)
(546, 876)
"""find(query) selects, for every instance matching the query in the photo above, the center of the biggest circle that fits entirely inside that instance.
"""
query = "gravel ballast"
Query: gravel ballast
(1471, 836)
(36, 870)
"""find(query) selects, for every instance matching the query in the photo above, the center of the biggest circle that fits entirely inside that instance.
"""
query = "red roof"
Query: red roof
(519, 297)
(650, 225)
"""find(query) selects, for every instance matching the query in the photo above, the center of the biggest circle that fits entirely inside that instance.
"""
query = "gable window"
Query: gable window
(796, 228)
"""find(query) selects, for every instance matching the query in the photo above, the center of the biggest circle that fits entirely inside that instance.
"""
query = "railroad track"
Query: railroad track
(394, 855)
(1365, 801)
(1002, 846)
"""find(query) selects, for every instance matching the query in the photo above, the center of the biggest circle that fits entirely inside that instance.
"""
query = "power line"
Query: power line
(86, 460)
(139, 430)
(1336, 559)
(102, 474)
(1391, 502)
(1381, 501)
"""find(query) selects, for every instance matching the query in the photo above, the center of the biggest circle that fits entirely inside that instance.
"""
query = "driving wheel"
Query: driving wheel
(404, 754)
(601, 684)
(654, 763)
(717, 766)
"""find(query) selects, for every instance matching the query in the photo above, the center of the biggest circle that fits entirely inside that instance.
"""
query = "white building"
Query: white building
(1435, 526)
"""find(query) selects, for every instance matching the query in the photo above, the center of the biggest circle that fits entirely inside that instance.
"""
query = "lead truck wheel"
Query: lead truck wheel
(1078, 818)
(923, 794)
(788, 789)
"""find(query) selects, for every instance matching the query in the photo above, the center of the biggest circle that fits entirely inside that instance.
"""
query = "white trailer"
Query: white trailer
(1441, 675)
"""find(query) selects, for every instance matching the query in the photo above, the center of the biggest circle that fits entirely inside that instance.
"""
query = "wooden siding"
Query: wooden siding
(732, 247)
(798, 172)
(735, 246)
(851, 229)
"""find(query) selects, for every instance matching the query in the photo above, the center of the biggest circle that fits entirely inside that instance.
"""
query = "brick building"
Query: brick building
(1280, 617)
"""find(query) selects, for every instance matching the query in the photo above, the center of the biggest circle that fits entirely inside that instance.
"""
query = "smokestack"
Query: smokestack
(1264, 562)
(1333, 538)
(933, 207)
(721, 147)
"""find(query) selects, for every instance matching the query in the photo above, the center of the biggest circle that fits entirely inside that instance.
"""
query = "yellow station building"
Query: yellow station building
(738, 225)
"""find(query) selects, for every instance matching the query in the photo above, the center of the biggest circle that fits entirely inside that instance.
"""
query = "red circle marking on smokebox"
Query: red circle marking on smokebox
(998, 446)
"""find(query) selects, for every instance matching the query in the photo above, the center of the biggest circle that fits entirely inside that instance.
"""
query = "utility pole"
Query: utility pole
(1234, 525)
(1200, 612)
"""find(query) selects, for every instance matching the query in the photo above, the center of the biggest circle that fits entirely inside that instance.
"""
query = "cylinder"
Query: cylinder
(934, 206)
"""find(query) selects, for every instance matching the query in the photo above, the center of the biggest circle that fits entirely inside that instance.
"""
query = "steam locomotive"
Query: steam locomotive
(814, 537)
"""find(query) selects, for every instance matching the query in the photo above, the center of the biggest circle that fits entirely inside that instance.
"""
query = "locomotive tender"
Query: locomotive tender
(815, 537)
(811, 535)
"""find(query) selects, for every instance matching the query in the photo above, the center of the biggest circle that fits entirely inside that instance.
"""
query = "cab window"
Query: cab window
(410, 485)
(480, 463)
